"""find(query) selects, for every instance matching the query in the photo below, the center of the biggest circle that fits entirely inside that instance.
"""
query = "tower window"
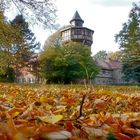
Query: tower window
(77, 31)
(78, 24)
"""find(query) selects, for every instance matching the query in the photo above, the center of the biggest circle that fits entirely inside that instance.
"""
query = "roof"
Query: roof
(76, 17)
(73, 27)
(109, 64)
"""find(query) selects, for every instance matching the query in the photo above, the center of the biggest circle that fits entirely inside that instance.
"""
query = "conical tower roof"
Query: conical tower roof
(76, 17)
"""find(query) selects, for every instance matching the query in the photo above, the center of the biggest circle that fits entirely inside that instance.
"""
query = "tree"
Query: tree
(16, 53)
(23, 50)
(129, 41)
(67, 63)
(53, 40)
(8, 35)
(117, 56)
(102, 55)
(131, 72)
(42, 11)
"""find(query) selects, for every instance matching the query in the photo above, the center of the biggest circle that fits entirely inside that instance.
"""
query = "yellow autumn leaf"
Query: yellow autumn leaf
(1, 96)
(15, 114)
(131, 114)
(19, 136)
(11, 124)
(10, 98)
(93, 115)
(30, 108)
(118, 99)
(52, 119)
(43, 99)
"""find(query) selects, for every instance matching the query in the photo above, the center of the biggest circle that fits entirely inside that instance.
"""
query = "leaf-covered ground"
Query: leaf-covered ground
(69, 112)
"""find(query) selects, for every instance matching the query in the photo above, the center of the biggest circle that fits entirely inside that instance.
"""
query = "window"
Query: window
(23, 80)
(77, 31)
(29, 80)
(87, 32)
(104, 72)
(66, 35)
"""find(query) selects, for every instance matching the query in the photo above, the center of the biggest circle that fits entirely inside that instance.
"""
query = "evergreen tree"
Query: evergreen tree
(129, 41)
(23, 50)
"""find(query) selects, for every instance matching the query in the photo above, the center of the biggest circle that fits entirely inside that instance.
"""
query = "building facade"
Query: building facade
(30, 72)
(110, 73)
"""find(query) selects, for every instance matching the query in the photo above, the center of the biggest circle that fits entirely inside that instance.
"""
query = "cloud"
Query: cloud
(113, 2)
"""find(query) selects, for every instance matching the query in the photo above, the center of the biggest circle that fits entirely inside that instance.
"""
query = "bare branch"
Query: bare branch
(81, 107)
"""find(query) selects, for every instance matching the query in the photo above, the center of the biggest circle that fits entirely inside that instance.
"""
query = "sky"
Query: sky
(105, 17)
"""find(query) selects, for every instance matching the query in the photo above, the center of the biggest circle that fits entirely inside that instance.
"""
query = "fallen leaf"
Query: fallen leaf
(121, 136)
(52, 119)
(60, 135)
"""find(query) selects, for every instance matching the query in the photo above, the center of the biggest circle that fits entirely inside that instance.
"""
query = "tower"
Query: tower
(76, 32)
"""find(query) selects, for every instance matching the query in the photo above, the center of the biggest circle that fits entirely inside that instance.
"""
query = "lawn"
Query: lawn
(72, 112)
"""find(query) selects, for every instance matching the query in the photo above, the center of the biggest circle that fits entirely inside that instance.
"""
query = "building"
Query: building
(76, 32)
(110, 72)
(30, 72)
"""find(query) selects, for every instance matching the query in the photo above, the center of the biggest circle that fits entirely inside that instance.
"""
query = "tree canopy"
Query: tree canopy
(16, 53)
(103, 55)
(37, 11)
(53, 40)
(8, 35)
(129, 41)
(117, 56)
(100, 55)
(67, 63)
(23, 50)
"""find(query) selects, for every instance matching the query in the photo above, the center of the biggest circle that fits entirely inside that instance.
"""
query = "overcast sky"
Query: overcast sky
(105, 17)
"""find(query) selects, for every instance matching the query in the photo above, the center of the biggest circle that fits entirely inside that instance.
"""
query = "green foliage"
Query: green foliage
(8, 34)
(17, 47)
(23, 49)
(102, 55)
(67, 63)
(116, 56)
(9, 75)
(111, 136)
(129, 41)
(131, 70)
